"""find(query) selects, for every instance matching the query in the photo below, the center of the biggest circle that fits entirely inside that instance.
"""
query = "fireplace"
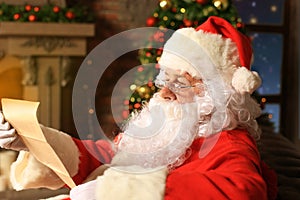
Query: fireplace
(37, 60)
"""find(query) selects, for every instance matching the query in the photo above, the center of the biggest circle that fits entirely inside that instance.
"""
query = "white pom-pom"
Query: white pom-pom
(244, 80)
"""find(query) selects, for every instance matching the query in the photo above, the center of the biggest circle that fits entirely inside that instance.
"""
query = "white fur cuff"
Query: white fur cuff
(27, 173)
(130, 183)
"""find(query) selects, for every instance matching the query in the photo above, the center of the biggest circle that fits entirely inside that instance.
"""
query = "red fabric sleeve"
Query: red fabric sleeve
(231, 170)
(92, 155)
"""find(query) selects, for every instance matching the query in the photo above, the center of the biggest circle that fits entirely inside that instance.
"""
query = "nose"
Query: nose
(167, 94)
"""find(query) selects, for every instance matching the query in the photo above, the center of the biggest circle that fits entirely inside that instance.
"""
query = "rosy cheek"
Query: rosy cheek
(167, 94)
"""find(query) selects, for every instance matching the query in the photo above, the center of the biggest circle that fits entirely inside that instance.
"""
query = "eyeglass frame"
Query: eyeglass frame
(176, 87)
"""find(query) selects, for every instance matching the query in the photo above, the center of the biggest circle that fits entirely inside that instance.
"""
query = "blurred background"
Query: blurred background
(44, 42)
(273, 27)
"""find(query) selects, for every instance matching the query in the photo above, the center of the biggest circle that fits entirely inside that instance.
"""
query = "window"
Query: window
(273, 27)
(268, 48)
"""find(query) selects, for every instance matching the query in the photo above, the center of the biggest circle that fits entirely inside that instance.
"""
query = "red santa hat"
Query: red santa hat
(229, 50)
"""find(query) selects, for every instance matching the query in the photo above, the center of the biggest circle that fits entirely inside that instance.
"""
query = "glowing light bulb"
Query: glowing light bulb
(273, 8)
(163, 4)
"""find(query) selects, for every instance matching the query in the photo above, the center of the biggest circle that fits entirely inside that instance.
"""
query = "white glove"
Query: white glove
(9, 139)
(84, 191)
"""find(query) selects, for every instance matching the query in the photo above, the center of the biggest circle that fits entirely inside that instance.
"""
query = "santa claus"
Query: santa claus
(195, 139)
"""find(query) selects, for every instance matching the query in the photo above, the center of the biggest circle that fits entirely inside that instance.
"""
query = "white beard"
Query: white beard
(160, 135)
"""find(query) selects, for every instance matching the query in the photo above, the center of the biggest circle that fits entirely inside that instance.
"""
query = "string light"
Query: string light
(270, 116)
(91, 111)
(89, 62)
(132, 87)
(273, 8)
(217, 4)
(132, 99)
(221, 4)
(163, 4)
(142, 89)
(253, 20)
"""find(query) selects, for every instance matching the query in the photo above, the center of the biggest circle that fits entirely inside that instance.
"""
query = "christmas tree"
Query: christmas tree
(172, 14)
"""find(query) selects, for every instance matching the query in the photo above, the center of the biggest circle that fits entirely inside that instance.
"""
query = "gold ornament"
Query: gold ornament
(165, 4)
(143, 90)
(221, 4)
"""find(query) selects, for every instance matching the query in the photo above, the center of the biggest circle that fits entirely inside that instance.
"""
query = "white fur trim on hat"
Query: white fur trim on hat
(244, 80)
(222, 52)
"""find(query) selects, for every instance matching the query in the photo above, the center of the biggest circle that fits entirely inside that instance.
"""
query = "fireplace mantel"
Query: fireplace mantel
(46, 52)
(36, 39)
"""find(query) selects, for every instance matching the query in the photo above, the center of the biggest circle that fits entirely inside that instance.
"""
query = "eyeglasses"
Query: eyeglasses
(178, 87)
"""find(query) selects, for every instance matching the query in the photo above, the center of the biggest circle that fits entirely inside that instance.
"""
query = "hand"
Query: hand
(9, 139)
(84, 191)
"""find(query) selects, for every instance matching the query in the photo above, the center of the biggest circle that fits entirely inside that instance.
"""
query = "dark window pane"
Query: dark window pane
(274, 114)
(267, 50)
(260, 11)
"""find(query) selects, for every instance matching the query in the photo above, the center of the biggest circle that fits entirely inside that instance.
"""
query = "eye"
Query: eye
(183, 81)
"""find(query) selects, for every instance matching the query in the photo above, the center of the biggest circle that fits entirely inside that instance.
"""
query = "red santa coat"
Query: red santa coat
(232, 169)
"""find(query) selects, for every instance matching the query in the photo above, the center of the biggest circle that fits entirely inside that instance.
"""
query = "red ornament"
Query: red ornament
(137, 105)
(28, 7)
(32, 18)
(36, 8)
(239, 25)
(181, 26)
(140, 69)
(126, 102)
(202, 2)
(159, 36)
(148, 54)
(151, 21)
(56, 9)
(17, 16)
(70, 15)
(174, 9)
(187, 23)
(150, 84)
(125, 114)
(159, 52)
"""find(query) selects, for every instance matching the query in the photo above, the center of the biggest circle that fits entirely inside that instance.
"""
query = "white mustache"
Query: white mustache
(159, 135)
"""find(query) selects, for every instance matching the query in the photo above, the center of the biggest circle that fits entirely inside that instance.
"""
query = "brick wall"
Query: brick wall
(112, 17)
